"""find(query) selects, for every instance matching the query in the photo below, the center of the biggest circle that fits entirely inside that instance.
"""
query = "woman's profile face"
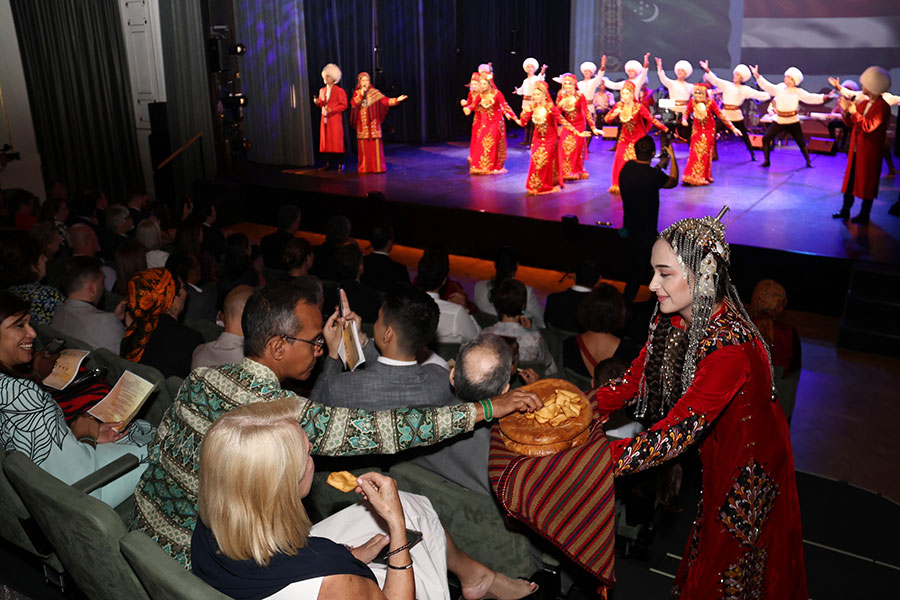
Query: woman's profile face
(672, 288)
(568, 85)
(537, 96)
(306, 479)
(364, 81)
(626, 94)
(16, 340)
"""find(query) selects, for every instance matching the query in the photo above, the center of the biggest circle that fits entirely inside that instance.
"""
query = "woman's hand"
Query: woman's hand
(109, 432)
(754, 69)
(704, 64)
(529, 376)
(380, 491)
(368, 551)
(85, 426)
(42, 363)
(463, 103)
(401, 98)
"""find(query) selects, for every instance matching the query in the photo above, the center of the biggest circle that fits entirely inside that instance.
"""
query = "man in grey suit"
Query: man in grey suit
(390, 377)
(482, 370)
(78, 316)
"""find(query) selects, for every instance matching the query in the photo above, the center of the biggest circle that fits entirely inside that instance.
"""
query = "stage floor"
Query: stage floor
(784, 207)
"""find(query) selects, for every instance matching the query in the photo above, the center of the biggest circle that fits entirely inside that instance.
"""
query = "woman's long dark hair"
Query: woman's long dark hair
(506, 263)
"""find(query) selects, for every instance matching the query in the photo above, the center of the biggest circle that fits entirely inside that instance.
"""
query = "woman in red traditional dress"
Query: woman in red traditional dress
(368, 107)
(573, 106)
(333, 101)
(705, 373)
(487, 151)
(544, 173)
(703, 135)
(635, 121)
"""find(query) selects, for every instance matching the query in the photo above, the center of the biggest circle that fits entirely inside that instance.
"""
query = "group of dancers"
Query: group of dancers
(559, 130)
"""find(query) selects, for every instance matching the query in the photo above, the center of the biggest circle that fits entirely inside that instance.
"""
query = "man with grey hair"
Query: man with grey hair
(118, 224)
(482, 370)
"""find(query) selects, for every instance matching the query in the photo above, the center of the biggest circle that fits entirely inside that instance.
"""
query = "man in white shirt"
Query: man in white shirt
(79, 316)
(229, 346)
(455, 325)
(680, 91)
(636, 73)
(530, 66)
(734, 93)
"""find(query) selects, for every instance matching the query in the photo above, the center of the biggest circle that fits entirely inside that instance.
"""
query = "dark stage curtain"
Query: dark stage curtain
(429, 49)
(73, 55)
(188, 106)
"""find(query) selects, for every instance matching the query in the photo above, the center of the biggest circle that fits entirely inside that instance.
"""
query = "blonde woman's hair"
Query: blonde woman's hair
(251, 463)
(333, 70)
(149, 234)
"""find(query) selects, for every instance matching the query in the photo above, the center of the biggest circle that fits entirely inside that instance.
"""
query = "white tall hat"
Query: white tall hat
(742, 71)
(588, 65)
(633, 65)
(530, 61)
(876, 80)
(795, 74)
(686, 66)
(850, 85)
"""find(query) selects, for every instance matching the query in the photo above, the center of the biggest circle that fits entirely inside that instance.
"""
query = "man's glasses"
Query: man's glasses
(318, 342)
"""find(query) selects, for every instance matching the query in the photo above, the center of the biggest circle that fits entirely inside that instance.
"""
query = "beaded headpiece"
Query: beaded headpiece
(701, 250)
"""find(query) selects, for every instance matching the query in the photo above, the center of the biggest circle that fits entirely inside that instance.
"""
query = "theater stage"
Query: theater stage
(780, 220)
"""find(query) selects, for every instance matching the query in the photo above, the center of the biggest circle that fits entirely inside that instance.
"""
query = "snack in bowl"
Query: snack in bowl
(562, 423)
(342, 480)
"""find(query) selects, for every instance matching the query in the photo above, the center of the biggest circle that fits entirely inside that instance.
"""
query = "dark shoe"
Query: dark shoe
(894, 210)
(840, 215)
(766, 164)
(860, 219)
(753, 157)
(809, 165)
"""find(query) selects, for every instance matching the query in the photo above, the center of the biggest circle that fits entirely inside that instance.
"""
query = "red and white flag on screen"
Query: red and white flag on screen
(821, 36)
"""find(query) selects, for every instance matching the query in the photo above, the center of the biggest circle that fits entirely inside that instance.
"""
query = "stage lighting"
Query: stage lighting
(238, 50)
(234, 101)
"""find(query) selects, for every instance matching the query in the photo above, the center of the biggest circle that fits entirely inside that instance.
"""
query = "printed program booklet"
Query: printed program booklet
(124, 399)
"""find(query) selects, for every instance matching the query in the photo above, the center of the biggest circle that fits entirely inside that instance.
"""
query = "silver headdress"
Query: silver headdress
(702, 253)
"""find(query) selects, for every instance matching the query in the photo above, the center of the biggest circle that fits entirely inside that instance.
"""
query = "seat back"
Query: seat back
(446, 350)
(160, 575)
(159, 400)
(45, 333)
(83, 531)
(208, 329)
(581, 382)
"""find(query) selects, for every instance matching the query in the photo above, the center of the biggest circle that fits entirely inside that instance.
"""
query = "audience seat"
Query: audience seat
(208, 329)
(485, 320)
(83, 531)
(46, 333)
(161, 576)
(13, 517)
(581, 382)
(110, 301)
(554, 339)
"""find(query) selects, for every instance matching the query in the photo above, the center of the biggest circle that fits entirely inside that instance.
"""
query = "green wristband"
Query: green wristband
(488, 408)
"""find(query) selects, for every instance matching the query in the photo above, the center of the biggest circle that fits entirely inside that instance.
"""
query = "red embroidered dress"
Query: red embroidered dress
(746, 541)
(635, 123)
(575, 109)
(544, 173)
(367, 112)
(703, 141)
(487, 150)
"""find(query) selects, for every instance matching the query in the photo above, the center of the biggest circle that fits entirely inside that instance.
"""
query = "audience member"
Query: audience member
(23, 268)
(452, 290)
(90, 209)
(155, 337)
(238, 266)
(118, 224)
(561, 306)
(273, 245)
(767, 309)
(202, 302)
(601, 316)
(364, 301)
(380, 270)
(298, 257)
(254, 537)
(83, 241)
(455, 325)
(48, 238)
(78, 316)
(137, 207)
(482, 370)
(283, 336)
(213, 240)
(129, 258)
(25, 206)
(55, 211)
(506, 263)
(149, 235)
(392, 379)
(32, 423)
(509, 298)
(640, 184)
(337, 233)
(229, 346)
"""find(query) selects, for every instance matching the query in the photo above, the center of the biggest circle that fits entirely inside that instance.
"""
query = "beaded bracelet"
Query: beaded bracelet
(488, 407)
(403, 568)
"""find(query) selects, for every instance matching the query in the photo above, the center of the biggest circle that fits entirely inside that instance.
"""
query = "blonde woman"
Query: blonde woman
(254, 538)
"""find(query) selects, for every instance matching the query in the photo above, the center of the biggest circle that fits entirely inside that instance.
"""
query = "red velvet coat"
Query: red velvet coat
(866, 146)
(747, 537)
(331, 127)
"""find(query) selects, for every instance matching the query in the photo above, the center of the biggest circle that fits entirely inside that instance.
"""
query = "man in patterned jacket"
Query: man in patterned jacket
(283, 336)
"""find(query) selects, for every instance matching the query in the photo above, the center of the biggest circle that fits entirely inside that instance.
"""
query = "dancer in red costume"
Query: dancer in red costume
(544, 173)
(635, 122)
(703, 136)
(573, 106)
(333, 101)
(487, 151)
(368, 108)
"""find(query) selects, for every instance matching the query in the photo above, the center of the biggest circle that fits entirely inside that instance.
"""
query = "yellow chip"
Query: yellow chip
(342, 480)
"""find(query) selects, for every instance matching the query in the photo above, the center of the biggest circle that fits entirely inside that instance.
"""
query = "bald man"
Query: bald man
(229, 346)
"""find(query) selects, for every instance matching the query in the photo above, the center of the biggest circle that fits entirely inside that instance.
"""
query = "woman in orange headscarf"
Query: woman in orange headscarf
(368, 107)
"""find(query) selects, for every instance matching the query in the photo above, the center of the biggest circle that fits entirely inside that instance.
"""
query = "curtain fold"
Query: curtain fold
(76, 70)
(188, 106)
(277, 118)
